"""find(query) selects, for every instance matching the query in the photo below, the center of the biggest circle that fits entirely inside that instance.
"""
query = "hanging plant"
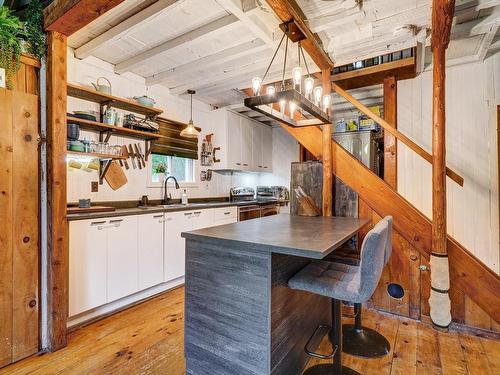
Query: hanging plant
(33, 29)
(11, 29)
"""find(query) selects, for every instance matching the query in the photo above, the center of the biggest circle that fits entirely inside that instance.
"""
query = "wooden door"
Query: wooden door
(87, 265)
(19, 233)
(150, 244)
(175, 245)
(122, 277)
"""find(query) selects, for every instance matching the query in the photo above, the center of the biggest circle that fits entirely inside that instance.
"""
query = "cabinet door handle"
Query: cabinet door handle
(197, 212)
(188, 214)
(245, 164)
(265, 167)
(227, 213)
(97, 222)
(158, 217)
(116, 221)
(238, 163)
(260, 166)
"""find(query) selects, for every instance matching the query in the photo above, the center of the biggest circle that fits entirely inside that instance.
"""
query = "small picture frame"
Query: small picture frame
(2, 78)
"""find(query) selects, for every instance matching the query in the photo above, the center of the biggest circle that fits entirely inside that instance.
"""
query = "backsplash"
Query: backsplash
(83, 72)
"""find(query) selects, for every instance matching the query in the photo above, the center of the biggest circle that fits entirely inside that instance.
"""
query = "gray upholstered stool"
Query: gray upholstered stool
(342, 282)
(362, 341)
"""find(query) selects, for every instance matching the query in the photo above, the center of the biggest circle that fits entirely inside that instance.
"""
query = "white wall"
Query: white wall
(85, 71)
(472, 93)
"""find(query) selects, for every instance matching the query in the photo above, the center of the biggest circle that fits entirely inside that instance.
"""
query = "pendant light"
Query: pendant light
(190, 131)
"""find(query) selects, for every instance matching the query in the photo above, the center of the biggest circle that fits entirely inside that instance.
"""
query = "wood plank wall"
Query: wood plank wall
(19, 212)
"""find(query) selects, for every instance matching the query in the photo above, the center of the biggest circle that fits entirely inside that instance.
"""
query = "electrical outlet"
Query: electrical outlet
(94, 186)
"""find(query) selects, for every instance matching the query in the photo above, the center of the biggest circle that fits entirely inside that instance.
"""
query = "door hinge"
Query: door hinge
(41, 139)
(423, 267)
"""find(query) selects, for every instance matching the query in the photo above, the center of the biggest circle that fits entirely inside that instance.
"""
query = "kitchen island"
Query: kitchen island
(240, 316)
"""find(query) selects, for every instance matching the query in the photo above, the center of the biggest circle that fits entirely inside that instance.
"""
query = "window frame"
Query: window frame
(153, 184)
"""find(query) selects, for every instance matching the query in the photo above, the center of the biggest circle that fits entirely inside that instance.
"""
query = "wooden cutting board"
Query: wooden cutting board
(79, 210)
(115, 176)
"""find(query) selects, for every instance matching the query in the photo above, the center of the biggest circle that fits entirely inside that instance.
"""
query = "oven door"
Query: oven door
(269, 210)
(248, 212)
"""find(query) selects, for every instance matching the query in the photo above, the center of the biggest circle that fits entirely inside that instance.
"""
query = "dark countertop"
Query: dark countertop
(310, 237)
(154, 209)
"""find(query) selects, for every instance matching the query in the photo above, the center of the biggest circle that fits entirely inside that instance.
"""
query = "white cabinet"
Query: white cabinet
(175, 252)
(245, 144)
(87, 265)
(247, 129)
(150, 254)
(175, 245)
(122, 272)
(267, 148)
(225, 215)
(234, 138)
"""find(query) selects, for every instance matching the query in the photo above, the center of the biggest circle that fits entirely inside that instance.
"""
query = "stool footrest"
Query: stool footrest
(319, 355)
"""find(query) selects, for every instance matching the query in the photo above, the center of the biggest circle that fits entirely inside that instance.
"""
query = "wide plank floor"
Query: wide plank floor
(148, 339)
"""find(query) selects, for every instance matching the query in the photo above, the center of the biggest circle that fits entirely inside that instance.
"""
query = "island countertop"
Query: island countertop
(310, 237)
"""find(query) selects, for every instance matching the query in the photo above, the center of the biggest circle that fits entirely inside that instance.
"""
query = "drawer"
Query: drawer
(225, 213)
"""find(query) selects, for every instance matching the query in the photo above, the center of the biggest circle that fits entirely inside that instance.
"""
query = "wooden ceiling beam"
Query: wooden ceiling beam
(68, 16)
(287, 11)
(117, 31)
(203, 32)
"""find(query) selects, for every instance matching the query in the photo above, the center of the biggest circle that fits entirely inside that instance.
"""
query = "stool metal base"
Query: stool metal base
(328, 369)
(364, 342)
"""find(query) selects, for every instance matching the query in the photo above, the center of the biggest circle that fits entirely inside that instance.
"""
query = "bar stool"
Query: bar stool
(363, 341)
(342, 282)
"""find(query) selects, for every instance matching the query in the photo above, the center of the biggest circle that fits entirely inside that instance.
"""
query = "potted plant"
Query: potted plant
(11, 29)
(33, 29)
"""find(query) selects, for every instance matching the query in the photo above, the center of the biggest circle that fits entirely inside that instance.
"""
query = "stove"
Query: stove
(252, 206)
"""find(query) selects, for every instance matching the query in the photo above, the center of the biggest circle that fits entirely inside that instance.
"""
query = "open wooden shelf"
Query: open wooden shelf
(91, 95)
(100, 127)
(96, 155)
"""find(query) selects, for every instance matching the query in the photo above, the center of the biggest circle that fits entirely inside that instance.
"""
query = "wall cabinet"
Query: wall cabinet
(246, 145)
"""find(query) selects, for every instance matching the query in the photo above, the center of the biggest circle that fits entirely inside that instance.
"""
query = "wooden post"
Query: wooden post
(439, 301)
(327, 151)
(390, 144)
(57, 231)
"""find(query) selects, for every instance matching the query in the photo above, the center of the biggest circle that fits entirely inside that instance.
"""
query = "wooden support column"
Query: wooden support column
(57, 247)
(390, 144)
(439, 301)
(327, 151)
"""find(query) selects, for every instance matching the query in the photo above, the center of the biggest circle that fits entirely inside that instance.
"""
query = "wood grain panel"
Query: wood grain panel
(468, 273)
(6, 220)
(57, 233)
(294, 316)
(390, 144)
(25, 229)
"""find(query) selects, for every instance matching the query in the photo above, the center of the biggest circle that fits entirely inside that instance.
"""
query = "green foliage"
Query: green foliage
(11, 29)
(33, 27)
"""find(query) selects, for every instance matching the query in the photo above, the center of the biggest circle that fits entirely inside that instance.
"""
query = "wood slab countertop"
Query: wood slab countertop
(310, 237)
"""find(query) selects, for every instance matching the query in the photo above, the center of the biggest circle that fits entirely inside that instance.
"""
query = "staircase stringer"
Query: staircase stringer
(468, 273)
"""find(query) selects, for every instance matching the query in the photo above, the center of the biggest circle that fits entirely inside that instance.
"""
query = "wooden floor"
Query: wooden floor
(148, 339)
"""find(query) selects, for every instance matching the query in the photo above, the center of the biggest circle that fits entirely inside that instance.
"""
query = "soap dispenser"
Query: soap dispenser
(184, 197)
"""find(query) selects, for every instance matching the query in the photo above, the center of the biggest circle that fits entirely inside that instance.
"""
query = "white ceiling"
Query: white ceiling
(217, 46)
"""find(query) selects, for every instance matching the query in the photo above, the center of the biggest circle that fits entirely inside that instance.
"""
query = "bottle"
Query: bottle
(184, 197)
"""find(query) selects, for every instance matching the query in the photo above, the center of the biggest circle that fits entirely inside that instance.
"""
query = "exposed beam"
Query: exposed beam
(203, 32)
(327, 157)
(217, 58)
(439, 301)
(57, 228)
(122, 28)
(390, 144)
(288, 10)
(68, 16)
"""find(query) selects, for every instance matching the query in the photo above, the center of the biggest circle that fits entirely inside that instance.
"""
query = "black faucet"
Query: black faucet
(167, 199)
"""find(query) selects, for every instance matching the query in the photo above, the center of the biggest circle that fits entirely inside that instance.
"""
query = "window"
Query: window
(181, 168)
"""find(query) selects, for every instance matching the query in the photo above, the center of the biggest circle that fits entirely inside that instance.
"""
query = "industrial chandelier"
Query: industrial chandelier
(303, 104)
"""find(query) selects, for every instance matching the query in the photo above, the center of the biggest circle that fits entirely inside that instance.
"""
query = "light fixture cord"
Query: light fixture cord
(191, 108)
(305, 61)
(275, 52)
(298, 51)
(284, 61)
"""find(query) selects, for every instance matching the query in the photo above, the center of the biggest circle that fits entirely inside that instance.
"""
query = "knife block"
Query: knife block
(307, 207)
